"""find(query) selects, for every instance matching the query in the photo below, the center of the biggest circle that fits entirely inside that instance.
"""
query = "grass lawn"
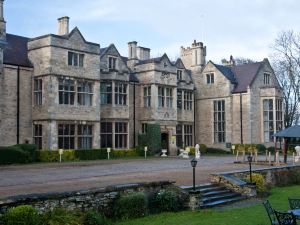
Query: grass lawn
(243, 215)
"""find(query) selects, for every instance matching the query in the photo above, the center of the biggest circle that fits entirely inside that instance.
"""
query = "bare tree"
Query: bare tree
(286, 64)
(242, 60)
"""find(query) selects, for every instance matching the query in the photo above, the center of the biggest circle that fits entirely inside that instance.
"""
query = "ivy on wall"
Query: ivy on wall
(151, 139)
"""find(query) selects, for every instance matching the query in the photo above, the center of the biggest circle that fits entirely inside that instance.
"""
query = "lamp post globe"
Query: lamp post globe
(194, 162)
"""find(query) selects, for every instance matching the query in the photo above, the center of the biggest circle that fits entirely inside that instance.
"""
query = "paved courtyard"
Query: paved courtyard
(53, 177)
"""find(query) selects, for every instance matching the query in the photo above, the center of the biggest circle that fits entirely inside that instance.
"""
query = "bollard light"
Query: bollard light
(60, 152)
(194, 164)
(146, 149)
(249, 158)
(108, 151)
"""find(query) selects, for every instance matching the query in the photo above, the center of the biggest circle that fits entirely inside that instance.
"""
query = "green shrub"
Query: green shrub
(167, 200)
(261, 148)
(53, 156)
(123, 153)
(192, 151)
(95, 218)
(31, 149)
(61, 216)
(203, 149)
(140, 151)
(13, 154)
(216, 151)
(131, 206)
(91, 154)
(271, 149)
(22, 215)
(259, 182)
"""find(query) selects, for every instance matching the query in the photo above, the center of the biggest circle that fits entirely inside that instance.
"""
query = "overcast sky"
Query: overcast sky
(242, 28)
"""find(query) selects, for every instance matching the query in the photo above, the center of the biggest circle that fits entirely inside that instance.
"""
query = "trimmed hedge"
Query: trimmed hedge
(13, 154)
(90, 154)
(216, 151)
(31, 149)
(152, 139)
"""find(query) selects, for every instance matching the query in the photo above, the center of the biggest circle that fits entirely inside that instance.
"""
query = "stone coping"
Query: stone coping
(59, 195)
(255, 170)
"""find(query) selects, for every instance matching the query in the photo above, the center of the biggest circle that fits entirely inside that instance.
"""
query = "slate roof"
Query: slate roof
(103, 50)
(16, 51)
(293, 131)
(227, 72)
(245, 74)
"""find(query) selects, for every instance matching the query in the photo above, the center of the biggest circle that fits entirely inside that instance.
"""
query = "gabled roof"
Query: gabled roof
(103, 51)
(245, 74)
(293, 131)
(179, 64)
(67, 36)
(227, 72)
(15, 52)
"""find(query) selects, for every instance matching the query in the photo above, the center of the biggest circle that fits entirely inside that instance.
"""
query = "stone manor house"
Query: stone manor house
(61, 91)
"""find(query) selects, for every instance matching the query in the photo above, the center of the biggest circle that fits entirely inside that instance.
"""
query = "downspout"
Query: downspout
(18, 105)
(250, 114)
(134, 144)
(241, 117)
(194, 117)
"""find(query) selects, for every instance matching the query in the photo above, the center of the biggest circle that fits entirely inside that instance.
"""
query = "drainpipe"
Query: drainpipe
(241, 117)
(134, 144)
(194, 116)
(18, 105)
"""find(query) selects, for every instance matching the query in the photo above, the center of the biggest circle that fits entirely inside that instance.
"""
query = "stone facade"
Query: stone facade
(56, 59)
(73, 94)
(242, 118)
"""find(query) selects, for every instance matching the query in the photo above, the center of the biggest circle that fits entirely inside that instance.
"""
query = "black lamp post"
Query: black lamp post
(250, 157)
(194, 164)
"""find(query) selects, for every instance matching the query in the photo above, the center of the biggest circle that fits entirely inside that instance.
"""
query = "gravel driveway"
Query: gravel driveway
(53, 177)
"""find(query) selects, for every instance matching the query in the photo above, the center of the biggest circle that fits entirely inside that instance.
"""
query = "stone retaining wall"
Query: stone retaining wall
(100, 199)
(234, 180)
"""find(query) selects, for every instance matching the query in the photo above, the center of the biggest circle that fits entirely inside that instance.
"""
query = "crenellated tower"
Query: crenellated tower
(193, 57)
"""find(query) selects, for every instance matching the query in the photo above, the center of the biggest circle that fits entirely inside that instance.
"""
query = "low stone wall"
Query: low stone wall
(234, 180)
(100, 199)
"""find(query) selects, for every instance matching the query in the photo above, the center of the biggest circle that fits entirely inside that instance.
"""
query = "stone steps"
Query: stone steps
(215, 195)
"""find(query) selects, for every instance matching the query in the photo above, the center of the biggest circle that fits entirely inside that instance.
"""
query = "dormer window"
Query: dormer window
(179, 75)
(165, 64)
(267, 78)
(75, 59)
(210, 78)
(112, 63)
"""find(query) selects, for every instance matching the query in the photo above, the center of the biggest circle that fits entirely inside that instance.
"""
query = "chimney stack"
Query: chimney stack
(63, 25)
(132, 51)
